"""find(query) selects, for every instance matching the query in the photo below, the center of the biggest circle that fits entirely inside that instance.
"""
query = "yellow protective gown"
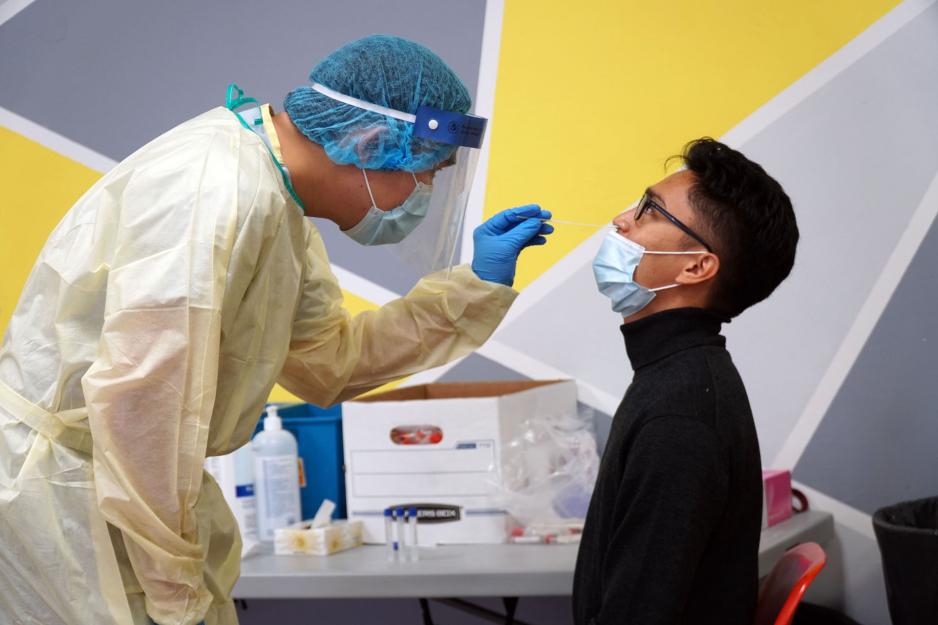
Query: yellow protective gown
(158, 317)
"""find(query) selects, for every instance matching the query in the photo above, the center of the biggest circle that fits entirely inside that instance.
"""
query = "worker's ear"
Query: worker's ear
(367, 142)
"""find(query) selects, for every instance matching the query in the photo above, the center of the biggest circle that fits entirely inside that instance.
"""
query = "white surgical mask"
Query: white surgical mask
(614, 268)
(380, 227)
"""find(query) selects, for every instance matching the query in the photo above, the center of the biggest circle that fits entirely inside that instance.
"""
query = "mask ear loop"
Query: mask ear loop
(671, 286)
(368, 186)
(676, 253)
(371, 195)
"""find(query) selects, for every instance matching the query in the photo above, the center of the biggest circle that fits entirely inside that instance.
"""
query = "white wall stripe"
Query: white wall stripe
(430, 376)
(366, 289)
(844, 514)
(557, 274)
(808, 84)
(65, 147)
(530, 367)
(860, 331)
(485, 107)
(522, 363)
(533, 368)
(9, 9)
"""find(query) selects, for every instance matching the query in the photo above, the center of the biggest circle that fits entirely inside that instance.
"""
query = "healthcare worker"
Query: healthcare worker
(184, 284)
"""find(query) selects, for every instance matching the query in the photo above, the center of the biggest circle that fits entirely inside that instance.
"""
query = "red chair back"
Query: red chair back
(786, 584)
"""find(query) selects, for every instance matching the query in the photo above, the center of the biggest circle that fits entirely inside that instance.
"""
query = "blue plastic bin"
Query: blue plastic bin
(318, 433)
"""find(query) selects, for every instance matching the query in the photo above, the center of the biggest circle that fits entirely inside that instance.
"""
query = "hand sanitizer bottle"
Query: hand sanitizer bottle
(276, 477)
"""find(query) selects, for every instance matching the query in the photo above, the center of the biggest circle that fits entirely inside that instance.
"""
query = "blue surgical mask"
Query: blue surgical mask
(614, 268)
(380, 227)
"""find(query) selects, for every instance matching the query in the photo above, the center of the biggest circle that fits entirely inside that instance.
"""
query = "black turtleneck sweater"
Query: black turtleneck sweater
(672, 532)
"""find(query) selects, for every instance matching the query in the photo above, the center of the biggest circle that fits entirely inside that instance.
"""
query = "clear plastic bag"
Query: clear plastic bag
(548, 469)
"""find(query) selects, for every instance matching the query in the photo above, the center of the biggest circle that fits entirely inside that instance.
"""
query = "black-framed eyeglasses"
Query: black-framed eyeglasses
(647, 203)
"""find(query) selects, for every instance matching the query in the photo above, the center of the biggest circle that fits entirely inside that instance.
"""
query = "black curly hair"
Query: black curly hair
(750, 219)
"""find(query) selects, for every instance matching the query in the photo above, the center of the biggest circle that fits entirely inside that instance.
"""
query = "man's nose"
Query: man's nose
(622, 222)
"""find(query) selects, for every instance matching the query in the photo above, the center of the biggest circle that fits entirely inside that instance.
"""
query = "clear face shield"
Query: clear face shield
(433, 243)
(433, 234)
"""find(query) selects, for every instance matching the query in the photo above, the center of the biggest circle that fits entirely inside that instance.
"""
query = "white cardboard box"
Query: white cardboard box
(453, 474)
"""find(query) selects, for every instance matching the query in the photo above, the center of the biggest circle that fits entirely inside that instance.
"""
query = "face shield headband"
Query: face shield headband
(448, 127)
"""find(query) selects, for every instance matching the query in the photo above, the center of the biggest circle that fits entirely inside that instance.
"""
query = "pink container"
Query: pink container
(776, 497)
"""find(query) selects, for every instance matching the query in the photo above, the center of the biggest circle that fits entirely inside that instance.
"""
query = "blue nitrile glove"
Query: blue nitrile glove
(500, 239)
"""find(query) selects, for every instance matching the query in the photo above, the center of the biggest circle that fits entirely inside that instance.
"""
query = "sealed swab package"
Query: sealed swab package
(549, 469)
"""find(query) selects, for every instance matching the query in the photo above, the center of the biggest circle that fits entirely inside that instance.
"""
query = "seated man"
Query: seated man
(672, 533)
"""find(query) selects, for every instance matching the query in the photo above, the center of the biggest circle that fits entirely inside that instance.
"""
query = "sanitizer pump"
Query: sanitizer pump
(276, 477)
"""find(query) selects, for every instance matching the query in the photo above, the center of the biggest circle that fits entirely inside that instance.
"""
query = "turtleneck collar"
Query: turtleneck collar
(660, 335)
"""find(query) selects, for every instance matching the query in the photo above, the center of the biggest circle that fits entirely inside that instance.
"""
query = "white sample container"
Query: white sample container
(276, 477)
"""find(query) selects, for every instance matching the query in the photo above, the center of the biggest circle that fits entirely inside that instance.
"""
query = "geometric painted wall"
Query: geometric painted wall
(878, 438)
(878, 441)
(838, 100)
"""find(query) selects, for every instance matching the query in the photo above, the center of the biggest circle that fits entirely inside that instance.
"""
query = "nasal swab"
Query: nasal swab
(389, 534)
(576, 223)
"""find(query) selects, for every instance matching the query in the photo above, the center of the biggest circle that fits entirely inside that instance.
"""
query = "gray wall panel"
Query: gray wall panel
(476, 368)
(574, 330)
(856, 158)
(878, 443)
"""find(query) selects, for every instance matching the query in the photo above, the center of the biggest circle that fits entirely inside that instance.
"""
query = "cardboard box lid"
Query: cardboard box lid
(456, 390)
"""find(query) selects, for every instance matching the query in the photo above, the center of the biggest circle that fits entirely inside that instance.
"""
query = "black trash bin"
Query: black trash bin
(907, 534)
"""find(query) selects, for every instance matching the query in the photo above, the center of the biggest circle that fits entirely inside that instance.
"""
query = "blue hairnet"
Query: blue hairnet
(385, 70)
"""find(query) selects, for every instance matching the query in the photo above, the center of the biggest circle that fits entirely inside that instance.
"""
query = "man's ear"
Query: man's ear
(699, 269)
(367, 141)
